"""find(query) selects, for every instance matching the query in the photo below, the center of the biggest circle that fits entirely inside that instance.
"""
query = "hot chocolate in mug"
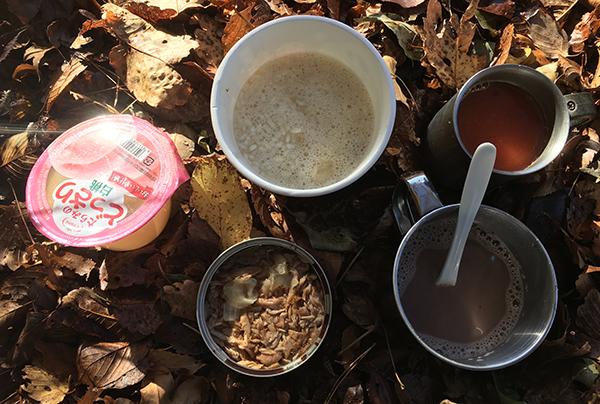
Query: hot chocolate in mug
(505, 298)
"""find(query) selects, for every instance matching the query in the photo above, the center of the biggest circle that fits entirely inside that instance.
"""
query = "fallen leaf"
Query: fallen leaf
(547, 35)
(243, 22)
(69, 71)
(44, 387)
(142, 318)
(36, 54)
(588, 26)
(10, 44)
(148, 64)
(58, 358)
(406, 34)
(219, 198)
(270, 213)
(447, 45)
(504, 46)
(182, 297)
(588, 314)
(157, 386)
(125, 269)
(25, 10)
(11, 312)
(196, 390)
(112, 365)
(406, 3)
(177, 5)
(559, 8)
(15, 236)
(180, 364)
(210, 48)
(498, 7)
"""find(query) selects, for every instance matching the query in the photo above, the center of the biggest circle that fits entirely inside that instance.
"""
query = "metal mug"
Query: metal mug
(449, 159)
(416, 205)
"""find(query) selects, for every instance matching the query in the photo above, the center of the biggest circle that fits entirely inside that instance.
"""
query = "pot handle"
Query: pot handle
(582, 108)
(413, 198)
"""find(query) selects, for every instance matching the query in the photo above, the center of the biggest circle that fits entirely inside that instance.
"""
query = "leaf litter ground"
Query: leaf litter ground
(87, 325)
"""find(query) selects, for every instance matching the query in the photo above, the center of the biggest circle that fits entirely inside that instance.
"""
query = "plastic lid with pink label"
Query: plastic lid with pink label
(102, 180)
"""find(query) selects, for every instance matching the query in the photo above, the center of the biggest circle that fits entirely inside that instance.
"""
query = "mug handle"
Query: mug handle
(413, 192)
(582, 108)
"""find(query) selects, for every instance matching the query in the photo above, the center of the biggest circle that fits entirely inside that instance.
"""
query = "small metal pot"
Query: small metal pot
(202, 295)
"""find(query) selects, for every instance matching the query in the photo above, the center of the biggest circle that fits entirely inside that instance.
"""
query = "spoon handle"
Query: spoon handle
(475, 186)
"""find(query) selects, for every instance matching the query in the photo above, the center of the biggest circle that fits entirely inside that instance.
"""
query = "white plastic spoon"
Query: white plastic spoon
(476, 184)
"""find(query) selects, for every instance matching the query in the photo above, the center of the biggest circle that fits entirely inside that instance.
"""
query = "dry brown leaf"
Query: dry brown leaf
(69, 70)
(11, 312)
(210, 48)
(504, 46)
(181, 364)
(112, 365)
(503, 8)
(176, 5)
(36, 54)
(25, 10)
(559, 8)
(547, 36)
(43, 386)
(139, 317)
(58, 358)
(125, 269)
(157, 385)
(149, 74)
(270, 213)
(182, 297)
(588, 26)
(218, 197)
(447, 45)
(195, 390)
(406, 3)
(588, 314)
(239, 25)
(243, 22)
(279, 7)
(14, 236)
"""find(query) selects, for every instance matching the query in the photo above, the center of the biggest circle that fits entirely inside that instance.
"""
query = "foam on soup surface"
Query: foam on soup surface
(304, 121)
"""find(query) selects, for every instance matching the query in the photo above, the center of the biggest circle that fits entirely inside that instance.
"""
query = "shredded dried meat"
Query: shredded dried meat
(274, 322)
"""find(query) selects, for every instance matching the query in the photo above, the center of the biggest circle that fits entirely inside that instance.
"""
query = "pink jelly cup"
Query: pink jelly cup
(106, 182)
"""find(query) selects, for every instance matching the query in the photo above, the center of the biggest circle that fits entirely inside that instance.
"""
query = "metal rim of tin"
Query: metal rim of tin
(217, 351)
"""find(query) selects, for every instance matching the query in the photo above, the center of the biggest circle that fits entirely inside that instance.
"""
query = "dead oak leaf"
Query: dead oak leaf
(68, 72)
(142, 318)
(149, 74)
(43, 386)
(177, 5)
(588, 26)
(157, 385)
(112, 365)
(178, 363)
(588, 314)
(196, 389)
(447, 49)
(181, 297)
(243, 22)
(218, 197)
(547, 36)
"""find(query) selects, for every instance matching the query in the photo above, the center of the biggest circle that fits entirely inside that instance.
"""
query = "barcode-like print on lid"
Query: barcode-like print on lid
(134, 147)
